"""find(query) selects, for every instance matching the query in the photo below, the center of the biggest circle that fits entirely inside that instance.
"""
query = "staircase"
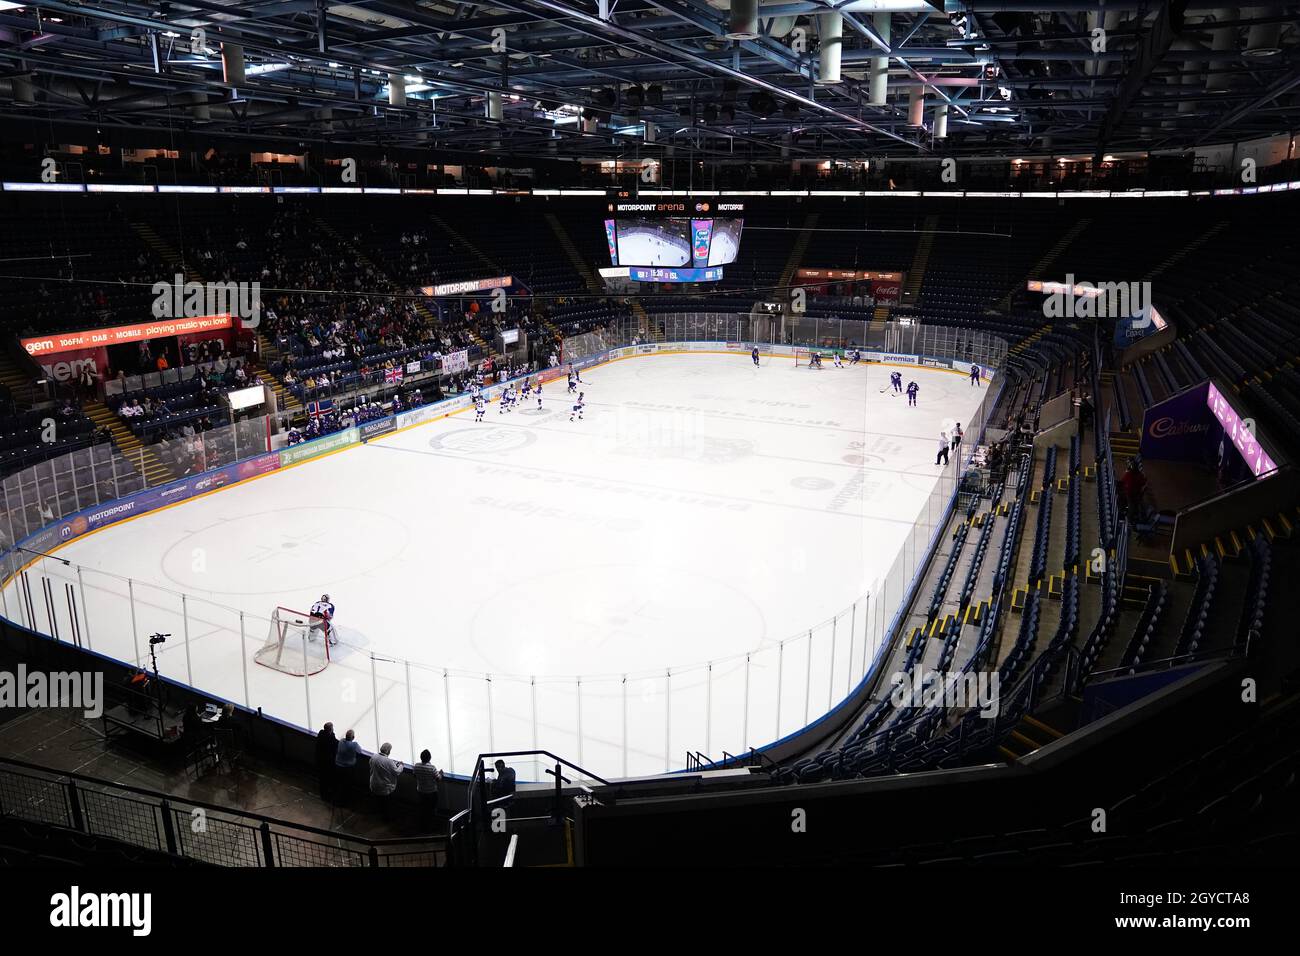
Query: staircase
(1029, 734)
(1030, 339)
(165, 251)
(1188, 249)
(580, 265)
(1045, 263)
(15, 378)
(1123, 444)
(470, 249)
(141, 456)
(916, 274)
(878, 319)
(474, 252)
(285, 400)
(797, 250)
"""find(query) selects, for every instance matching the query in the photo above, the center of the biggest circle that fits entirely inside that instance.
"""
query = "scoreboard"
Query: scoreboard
(697, 237)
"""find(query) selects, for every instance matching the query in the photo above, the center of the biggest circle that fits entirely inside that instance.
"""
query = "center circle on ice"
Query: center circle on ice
(623, 619)
(282, 552)
(811, 483)
(483, 441)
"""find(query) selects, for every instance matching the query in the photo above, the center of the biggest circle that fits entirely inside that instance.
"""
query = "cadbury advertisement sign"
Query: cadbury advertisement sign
(1181, 428)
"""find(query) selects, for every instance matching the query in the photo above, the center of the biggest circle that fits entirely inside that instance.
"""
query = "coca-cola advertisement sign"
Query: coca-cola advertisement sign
(887, 291)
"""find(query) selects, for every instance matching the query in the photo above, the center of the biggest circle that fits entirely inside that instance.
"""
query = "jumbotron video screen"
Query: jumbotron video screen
(673, 242)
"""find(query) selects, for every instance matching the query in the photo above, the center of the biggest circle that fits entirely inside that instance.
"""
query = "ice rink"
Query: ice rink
(616, 590)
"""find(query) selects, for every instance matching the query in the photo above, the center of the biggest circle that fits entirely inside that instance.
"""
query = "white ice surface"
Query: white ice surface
(703, 510)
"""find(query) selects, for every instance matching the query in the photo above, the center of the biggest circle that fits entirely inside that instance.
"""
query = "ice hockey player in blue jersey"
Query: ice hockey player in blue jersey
(896, 380)
(578, 406)
(753, 353)
(912, 389)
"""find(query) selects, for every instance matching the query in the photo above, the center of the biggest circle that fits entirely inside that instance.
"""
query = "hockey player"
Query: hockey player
(975, 375)
(578, 407)
(856, 357)
(753, 353)
(839, 362)
(814, 360)
(896, 379)
(912, 389)
(480, 407)
(528, 387)
(573, 381)
(539, 393)
(322, 617)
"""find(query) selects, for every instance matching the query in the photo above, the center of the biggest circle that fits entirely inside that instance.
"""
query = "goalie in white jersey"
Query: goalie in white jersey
(322, 618)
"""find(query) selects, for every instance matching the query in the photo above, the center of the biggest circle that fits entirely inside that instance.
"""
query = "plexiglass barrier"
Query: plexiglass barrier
(616, 724)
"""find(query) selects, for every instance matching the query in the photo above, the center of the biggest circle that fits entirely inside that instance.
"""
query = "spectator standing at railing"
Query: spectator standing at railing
(426, 788)
(384, 771)
(345, 764)
(504, 785)
(327, 748)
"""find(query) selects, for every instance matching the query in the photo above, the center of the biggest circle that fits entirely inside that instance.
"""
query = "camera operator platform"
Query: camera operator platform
(138, 707)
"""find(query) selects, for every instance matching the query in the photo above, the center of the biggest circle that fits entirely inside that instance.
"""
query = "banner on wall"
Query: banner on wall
(152, 499)
(116, 335)
(371, 429)
(291, 456)
(467, 286)
(454, 362)
(1179, 428)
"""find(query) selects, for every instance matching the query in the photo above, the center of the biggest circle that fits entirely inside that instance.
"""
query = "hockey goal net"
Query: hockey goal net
(293, 646)
(803, 357)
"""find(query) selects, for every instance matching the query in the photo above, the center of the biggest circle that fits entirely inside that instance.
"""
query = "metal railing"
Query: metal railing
(191, 829)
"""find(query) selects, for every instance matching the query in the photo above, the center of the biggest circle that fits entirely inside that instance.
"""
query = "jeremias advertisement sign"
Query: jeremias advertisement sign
(99, 338)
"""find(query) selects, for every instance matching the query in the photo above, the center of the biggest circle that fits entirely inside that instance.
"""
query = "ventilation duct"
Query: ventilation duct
(232, 64)
(830, 27)
(396, 89)
(1262, 39)
(1222, 41)
(880, 65)
(916, 107)
(743, 23)
(941, 122)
